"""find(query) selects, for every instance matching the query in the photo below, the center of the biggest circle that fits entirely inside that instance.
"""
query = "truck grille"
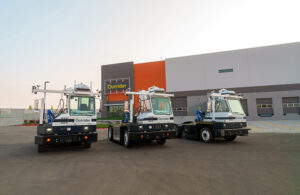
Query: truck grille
(156, 127)
(230, 125)
(68, 139)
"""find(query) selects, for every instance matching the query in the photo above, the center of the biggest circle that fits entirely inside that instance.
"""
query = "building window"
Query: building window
(264, 107)
(116, 111)
(180, 109)
(290, 105)
(226, 70)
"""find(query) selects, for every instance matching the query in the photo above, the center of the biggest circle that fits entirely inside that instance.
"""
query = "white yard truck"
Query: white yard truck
(74, 122)
(154, 119)
(224, 118)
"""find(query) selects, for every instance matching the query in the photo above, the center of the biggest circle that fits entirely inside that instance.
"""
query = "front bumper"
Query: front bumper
(155, 135)
(235, 132)
(65, 139)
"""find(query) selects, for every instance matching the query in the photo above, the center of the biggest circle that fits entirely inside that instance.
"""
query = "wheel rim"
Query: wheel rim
(205, 135)
(109, 133)
(176, 129)
(126, 139)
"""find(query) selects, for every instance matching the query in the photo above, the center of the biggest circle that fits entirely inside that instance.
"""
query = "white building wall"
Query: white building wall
(11, 117)
(271, 65)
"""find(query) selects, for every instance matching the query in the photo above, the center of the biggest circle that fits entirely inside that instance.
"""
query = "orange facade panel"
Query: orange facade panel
(116, 97)
(148, 74)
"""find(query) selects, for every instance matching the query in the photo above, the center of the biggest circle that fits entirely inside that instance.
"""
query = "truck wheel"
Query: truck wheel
(206, 135)
(161, 141)
(126, 139)
(41, 148)
(178, 132)
(110, 133)
(87, 145)
(230, 138)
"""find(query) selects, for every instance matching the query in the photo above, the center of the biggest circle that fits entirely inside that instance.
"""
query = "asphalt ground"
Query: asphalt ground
(261, 163)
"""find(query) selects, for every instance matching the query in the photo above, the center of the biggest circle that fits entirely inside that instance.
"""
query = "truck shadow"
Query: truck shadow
(105, 146)
(144, 145)
(30, 149)
(217, 141)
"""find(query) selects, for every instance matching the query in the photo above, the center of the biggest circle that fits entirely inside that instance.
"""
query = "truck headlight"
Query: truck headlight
(49, 130)
(150, 127)
(166, 126)
(141, 127)
(85, 128)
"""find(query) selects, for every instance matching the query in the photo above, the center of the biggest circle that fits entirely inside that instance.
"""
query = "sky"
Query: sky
(65, 40)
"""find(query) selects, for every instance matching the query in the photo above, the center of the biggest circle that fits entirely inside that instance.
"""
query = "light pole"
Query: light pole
(44, 114)
(99, 97)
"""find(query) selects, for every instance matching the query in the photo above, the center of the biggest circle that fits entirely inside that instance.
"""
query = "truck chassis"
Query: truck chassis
(65, 135)
(128, 134)
(207, 131)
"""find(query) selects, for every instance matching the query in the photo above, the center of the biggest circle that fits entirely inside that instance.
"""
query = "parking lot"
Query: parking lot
(262, 163)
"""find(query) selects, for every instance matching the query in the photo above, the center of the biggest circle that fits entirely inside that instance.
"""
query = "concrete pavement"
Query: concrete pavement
(262, 163)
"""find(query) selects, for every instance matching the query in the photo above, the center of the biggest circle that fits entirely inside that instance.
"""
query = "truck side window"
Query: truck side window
(145, 106)
(221, 106)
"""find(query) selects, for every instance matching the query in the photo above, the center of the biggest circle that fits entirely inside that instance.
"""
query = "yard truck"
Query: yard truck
(74, 121)
(153, 120)
(224, 118)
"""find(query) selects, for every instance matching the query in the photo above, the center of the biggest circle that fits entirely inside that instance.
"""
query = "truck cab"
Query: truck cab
(74, 122)
(228, 111)
(225, 118)
(154, 119)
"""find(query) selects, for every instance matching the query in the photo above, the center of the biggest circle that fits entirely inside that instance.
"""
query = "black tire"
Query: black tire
(41, 148)
(87, 145)
(161, 141)
(126, 141)
(110, 133)
(206, 135)
(184, 133)
(178, 131)
(230, 138)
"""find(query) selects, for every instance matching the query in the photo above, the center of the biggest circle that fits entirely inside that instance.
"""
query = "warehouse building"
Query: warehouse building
(268, 77)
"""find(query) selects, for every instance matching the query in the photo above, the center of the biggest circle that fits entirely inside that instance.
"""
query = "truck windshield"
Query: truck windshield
(161, 106)
(236, 106)
(82, 106)
(221, 106)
